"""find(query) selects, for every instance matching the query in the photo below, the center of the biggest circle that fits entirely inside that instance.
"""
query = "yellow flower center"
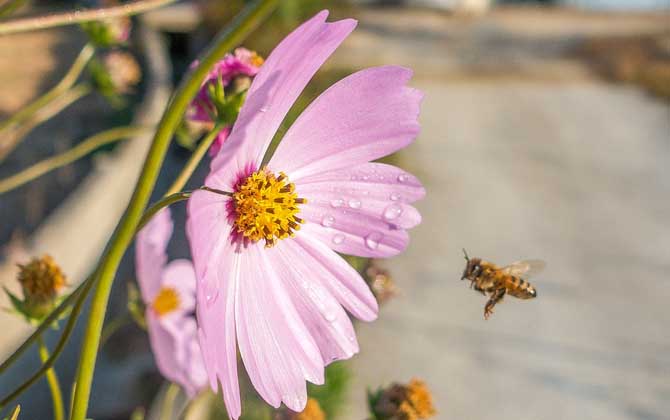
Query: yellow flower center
(166, 301)
(266, 207)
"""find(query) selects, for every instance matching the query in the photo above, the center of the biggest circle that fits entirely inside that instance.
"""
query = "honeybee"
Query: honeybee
(486, 277)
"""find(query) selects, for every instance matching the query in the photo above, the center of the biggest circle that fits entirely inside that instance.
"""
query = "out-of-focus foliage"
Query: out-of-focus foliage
(642, 60)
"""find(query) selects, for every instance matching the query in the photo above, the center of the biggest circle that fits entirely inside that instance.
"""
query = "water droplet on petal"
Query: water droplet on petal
(394, 197)
(264, 109)
(355, 204)
(338, 238)
(337, 203)
(402, 178)
(211, 296)
(365, 178)
(327, 221)
(392, 212)
(373, 239)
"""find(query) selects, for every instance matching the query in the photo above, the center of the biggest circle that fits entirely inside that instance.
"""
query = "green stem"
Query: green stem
(79, 16)
(240, 28)
(80, 297)
(54, 386)
(18, 132)
(163, 202)
(10, 7)
(82, 149)
(113, 326)
(168, 401)
(65, 83)
(15, 413)
(194, 160)
(44, 325)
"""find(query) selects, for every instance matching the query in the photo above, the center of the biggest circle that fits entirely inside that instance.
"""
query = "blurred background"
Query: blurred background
(545, 134)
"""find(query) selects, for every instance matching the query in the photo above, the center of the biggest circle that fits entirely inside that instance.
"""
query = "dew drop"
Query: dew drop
(337, 203)
(373, 239)
(327, 221)
(392, 212)
(264, 109)
(365, 178)
(402, 178)
(338, 239)
(211, 296)
(355, 204)
(394, 197)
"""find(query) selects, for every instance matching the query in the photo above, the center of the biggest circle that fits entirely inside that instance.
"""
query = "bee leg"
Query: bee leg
(495, 298)
(473, 285)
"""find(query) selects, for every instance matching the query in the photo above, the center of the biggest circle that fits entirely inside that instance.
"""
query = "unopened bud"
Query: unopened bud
(380, 281)
(41, 282)
(312, 411)
(402, 402)
(108, 33)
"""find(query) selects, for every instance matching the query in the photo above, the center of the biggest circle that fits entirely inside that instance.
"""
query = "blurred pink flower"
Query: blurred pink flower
(242, 63)
(215, 148)
(168, 290)
(269, 276)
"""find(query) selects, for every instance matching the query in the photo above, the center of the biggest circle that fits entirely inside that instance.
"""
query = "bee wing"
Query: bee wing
(525, 268)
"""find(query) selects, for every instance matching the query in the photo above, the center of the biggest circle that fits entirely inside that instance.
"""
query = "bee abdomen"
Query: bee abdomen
(521, 288)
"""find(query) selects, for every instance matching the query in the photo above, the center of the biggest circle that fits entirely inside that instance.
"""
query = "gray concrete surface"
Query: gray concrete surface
(577, 175)
(575, 172)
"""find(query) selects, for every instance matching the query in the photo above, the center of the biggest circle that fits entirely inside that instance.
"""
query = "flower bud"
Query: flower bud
(312, 411)
(117, 74)
(402, 402)
(41, 282)
(222, 92)
(108, 33)
(380, 281)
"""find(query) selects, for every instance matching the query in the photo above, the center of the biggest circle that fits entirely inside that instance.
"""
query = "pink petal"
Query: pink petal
(372, 189)
(273, 91)
(174, 344)
(150, 256)
(305, 281)
(353, 233)
(363, 117)
(278, 352)
(216, 265)
(344, 283)
(179, 275)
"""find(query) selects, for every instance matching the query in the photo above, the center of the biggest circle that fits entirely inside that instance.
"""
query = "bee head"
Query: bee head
(473, 267)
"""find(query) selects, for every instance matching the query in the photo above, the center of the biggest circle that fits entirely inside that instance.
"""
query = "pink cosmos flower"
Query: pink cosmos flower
(215, 148)
(242, 63)
(168, 290)
(269, 277)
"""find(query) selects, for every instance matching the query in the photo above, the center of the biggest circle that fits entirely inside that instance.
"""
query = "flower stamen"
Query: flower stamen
(166, 301)
(266, 207)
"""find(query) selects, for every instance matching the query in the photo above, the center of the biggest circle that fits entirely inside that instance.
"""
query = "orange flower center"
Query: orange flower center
(166, 301)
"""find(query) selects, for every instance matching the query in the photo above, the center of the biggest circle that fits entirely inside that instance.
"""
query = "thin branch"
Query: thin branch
(195, 158)
(77, 152)
(65, 83)
(54, 386)
(14, 137)
(79, 16)
(67, 331)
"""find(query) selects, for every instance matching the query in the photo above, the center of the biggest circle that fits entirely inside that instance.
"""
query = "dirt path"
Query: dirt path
(575, 173)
